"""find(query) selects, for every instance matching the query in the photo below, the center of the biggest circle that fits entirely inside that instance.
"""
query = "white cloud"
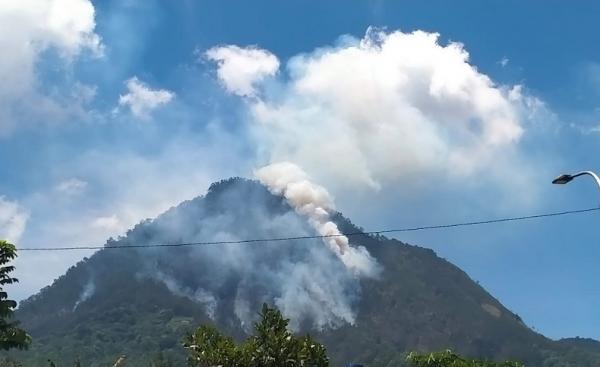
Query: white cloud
(111, 223)
(593, 130)
(504, 61)
(72, 186)
(584, 129)
(28, 28)
(240, 69)
(13, 219)
(142, 100)
(387, 109)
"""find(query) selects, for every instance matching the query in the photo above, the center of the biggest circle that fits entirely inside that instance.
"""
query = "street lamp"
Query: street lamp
(565, 179)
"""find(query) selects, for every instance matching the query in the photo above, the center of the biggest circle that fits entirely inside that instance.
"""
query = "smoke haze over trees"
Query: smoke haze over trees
(145, 299)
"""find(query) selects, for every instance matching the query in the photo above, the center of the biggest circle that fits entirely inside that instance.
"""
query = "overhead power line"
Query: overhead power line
(292, 238)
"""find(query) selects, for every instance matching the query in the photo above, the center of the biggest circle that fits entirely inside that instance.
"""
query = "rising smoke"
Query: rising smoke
(198, 295)
(316, 286)
(392, 106)
(315, 203)
(86, 293)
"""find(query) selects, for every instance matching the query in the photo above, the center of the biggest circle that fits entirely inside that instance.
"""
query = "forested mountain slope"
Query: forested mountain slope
(141, 301)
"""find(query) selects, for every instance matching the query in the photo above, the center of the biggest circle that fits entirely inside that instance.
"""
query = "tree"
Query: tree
(449, 359)
(272, 345)
(11, 336)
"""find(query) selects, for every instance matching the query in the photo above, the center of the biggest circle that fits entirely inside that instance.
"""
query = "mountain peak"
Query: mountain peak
(417, 302)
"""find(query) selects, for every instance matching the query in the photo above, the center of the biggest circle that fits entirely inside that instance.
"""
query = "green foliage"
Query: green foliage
(11, 336)
(10, 362)
(449, 359)
(208, 347)
(272, 345)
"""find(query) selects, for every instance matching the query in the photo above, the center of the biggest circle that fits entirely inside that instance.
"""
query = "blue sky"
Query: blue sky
(123, 113)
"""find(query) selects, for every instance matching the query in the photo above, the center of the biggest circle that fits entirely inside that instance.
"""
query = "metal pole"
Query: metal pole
(589, 173)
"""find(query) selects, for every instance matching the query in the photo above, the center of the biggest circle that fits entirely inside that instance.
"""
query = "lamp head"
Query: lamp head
(564, 179)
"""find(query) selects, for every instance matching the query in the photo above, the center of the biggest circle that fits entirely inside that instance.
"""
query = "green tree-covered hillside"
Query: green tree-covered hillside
(142, 302)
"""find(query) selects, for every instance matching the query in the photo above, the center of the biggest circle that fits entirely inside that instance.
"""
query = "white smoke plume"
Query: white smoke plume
(315, 203)
(200, 295)
(316, 286)
(86, 293)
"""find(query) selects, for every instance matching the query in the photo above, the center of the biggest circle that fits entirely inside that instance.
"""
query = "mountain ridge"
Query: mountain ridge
(145, 300)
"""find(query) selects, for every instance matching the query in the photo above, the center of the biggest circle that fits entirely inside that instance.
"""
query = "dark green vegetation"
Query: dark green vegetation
(142, 302)
(272, 345)
(11, 336)
(450, 359)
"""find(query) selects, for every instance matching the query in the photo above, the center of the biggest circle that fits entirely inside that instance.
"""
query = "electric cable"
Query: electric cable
(296, 238)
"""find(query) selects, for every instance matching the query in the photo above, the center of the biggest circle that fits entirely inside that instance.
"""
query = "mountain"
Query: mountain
(141, 301)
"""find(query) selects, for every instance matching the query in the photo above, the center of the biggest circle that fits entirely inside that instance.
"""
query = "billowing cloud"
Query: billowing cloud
(28, 28)
(13, 219)
(240, 69)
(386, 109)
(142, 100)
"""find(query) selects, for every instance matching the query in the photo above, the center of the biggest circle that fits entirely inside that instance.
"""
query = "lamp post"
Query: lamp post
(565, 179)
